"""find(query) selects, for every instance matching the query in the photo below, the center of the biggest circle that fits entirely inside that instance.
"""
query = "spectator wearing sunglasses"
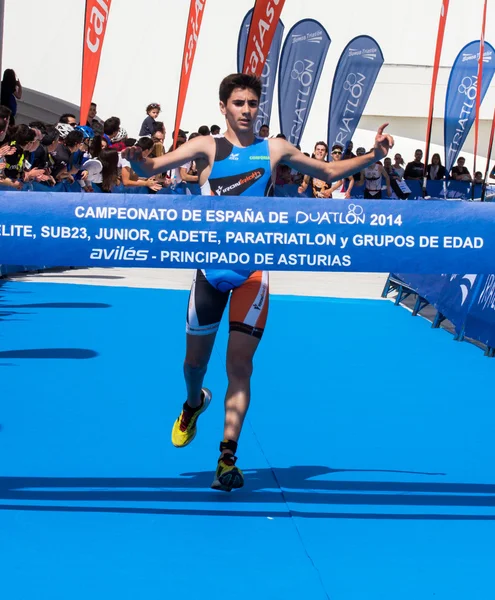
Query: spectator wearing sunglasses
(320, 188)
(68, 119)
(337, 189)
(147, 128)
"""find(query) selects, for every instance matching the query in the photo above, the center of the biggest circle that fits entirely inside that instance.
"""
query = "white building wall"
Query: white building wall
(143, 51)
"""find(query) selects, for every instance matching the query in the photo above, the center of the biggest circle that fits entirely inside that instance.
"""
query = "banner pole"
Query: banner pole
(488, 159)
(2, 20)
(81, 120)
(479, 85)
(436, 67)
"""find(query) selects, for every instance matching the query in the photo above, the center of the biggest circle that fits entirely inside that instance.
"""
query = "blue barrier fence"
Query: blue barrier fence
(443, 190)
(181, 188)
(437, 190)
(466, 300)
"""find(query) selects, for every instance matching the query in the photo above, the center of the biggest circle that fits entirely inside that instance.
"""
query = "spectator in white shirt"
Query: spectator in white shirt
(399, 165)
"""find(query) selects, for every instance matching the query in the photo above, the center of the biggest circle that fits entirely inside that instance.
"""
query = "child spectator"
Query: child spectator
(478, 178)
(147, 128)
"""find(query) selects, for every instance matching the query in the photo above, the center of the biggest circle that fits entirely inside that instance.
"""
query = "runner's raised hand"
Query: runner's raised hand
(383, 142)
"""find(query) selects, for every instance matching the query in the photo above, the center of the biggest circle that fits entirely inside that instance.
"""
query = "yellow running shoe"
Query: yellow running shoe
(184, 429)
(227, 476)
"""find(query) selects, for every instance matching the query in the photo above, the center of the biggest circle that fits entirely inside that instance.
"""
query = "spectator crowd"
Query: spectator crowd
(90, 156)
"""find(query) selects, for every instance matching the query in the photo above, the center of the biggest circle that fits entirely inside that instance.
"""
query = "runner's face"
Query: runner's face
(241, 110)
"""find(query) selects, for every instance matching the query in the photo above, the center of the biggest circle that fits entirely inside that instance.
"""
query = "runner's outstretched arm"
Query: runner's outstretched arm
(147, 167)
(332, 171)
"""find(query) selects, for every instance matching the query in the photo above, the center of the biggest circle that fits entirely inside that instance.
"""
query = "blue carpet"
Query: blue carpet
(368, 453)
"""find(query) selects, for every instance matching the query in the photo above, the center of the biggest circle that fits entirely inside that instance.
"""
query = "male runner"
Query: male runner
(234, 165)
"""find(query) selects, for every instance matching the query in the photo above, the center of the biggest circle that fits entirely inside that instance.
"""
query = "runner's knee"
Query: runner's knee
(195, 368)
(239, 367)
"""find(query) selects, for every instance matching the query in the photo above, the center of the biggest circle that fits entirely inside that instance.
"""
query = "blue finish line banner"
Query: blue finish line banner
(285, 234)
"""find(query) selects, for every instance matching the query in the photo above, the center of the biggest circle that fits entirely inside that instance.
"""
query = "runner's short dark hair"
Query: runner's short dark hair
(239, 80)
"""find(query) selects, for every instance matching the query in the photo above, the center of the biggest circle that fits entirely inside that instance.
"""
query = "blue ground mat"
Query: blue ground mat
(368, 454)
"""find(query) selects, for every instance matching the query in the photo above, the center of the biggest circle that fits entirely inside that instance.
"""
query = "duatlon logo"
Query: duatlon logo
(468, 84)
(355, 209)
(298, 69)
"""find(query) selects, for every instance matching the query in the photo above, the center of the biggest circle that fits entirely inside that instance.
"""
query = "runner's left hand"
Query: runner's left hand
(383, 143)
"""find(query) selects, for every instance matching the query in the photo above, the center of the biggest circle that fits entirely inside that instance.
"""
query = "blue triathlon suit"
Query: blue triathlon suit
(236, 171)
